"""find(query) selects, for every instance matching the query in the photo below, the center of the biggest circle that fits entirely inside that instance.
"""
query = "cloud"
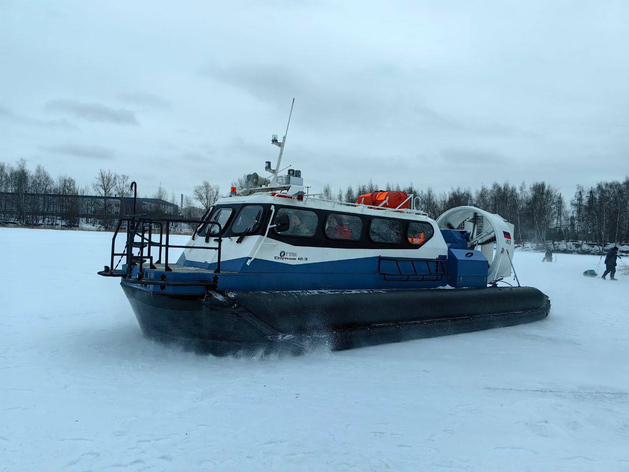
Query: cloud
(147, 100)
(81, 150)
(8, 115)
(327, 103)
(472, 157)
(93, 112)
(380, 97)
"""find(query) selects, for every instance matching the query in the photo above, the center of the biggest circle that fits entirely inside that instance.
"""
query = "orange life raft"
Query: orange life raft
(385, 199)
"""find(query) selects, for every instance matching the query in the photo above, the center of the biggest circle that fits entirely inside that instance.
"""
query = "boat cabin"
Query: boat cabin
(314, 225)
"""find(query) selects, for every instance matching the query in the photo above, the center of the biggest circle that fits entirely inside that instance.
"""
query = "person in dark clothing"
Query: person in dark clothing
(610, 263)
(548, 257)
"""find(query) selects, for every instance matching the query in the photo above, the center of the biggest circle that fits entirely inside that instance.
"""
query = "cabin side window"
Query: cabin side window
(219, 215)
(419, 233)
(385, 231)
(248, 219)
(343, 227)
(302, 223)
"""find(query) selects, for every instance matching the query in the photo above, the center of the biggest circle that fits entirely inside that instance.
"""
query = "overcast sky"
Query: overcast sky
(441, 94)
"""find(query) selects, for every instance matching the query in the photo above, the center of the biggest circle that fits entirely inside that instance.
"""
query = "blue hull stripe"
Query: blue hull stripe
(362, 273)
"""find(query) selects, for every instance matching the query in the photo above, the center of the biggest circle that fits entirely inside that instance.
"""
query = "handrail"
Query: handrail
(140, 234)
(407, 199)
(140, 225)
(372, 207)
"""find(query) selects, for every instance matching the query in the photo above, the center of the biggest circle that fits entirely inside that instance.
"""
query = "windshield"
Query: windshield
(246, 218)
(220, 216)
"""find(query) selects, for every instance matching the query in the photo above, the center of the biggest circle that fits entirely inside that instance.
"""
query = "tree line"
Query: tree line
(36, 198)
(539, 211)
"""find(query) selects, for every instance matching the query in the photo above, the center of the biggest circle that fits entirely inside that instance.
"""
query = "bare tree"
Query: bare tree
(454, 198)
(161, 193)
(19, 183)
(122, 187)
(541, 207)
(350, 196)
(340, 196)
(42, 185)
(104, 186)
(240, 183)
(123, 190)
(4, 188)
(428, 202)
(69, 207)
(206, 194)
(189, 210)
(4, 177)
(327, 192)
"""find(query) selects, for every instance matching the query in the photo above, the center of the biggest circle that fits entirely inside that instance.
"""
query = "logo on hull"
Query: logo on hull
(290, 256)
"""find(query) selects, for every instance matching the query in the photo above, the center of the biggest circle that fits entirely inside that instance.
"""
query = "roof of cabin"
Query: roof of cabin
(314, 202)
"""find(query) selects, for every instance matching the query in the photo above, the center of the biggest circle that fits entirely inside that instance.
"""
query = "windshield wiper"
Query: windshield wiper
(248, 230)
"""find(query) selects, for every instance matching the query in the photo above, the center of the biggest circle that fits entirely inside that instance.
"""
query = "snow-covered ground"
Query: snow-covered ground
(81, 389)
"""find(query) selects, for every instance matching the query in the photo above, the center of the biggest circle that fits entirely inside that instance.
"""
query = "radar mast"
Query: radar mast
(281, 145)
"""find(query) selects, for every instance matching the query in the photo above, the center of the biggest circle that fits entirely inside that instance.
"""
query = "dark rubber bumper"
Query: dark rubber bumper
(340, 319)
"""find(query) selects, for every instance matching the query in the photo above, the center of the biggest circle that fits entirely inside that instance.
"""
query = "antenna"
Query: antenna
(281, 145)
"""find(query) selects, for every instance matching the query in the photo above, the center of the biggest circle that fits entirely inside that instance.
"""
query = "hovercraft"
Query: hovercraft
(273, 267)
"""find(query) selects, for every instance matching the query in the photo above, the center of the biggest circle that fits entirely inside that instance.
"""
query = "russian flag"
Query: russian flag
(506, 235)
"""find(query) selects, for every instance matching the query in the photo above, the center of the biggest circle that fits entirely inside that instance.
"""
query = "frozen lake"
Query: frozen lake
(82, 390)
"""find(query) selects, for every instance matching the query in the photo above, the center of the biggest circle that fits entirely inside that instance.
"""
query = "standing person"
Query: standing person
(610, 263)
(548, 257)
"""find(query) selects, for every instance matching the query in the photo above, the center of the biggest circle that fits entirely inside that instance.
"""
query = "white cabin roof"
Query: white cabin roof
(280, 197)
